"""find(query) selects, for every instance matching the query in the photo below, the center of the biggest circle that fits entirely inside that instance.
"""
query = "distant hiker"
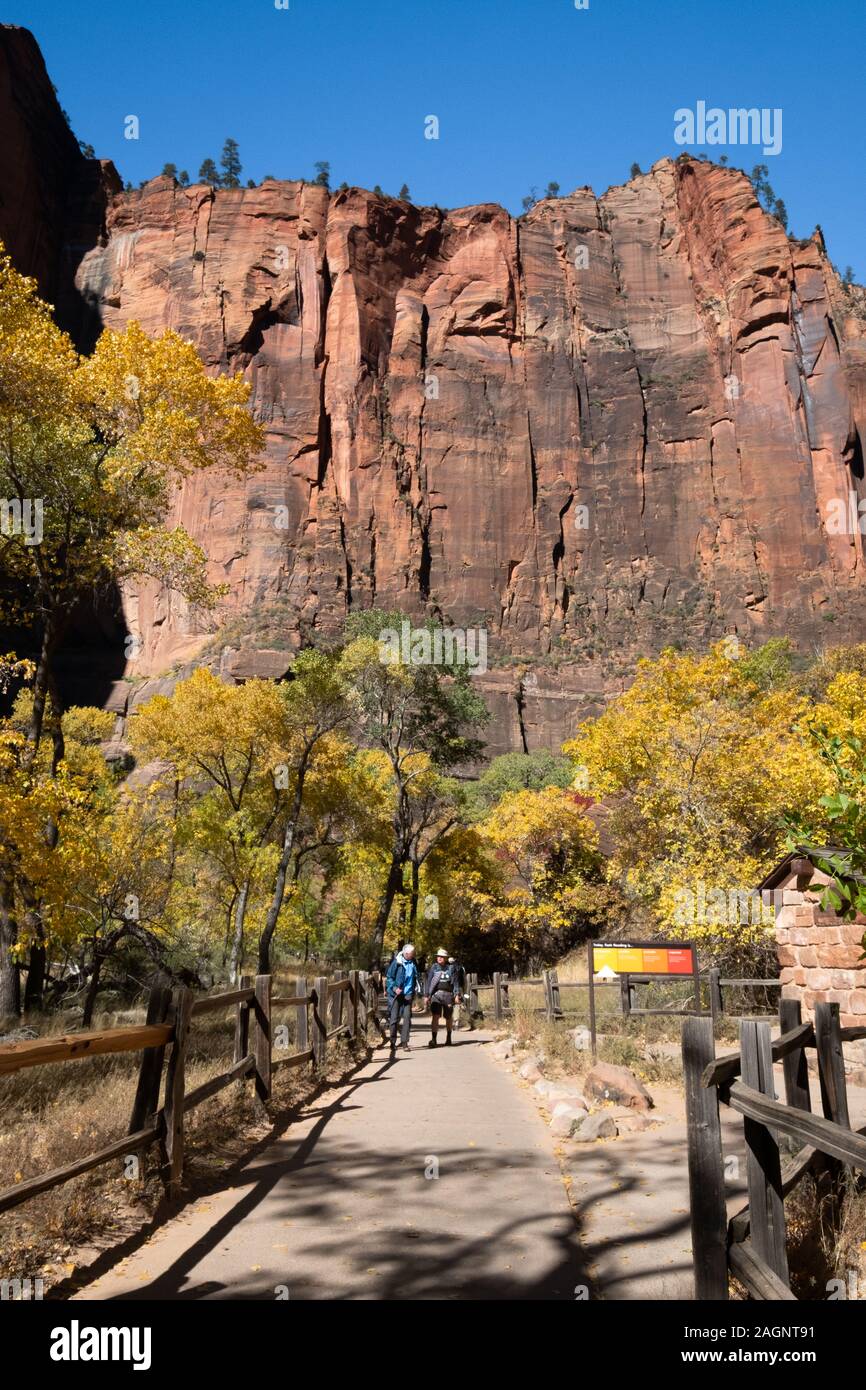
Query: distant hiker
(403, 984)
(441, 990)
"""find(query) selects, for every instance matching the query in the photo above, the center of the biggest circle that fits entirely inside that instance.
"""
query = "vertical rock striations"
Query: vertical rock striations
(614, 423)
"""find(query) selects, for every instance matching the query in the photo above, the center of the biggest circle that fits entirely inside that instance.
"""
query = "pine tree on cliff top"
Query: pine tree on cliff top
(230, 162)
(208, 173)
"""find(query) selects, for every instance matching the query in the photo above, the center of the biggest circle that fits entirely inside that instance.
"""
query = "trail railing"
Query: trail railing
(753, 1243)
(324, 1011)
(626, 985)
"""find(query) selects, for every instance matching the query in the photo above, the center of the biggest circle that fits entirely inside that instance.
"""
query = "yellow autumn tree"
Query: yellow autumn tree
(553, 891)
(697, 765)
(92, 450)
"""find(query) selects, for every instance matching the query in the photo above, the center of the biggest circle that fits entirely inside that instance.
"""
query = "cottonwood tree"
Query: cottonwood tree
(92, 450)
(421, 717)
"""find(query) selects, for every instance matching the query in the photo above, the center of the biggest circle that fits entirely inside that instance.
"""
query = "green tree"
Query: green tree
(635, 170)
(404, 194)
(183, 178)
(418, 715)
(323, 173)
(169, 171)
(552, 190)
(208, 173)
(230, 163)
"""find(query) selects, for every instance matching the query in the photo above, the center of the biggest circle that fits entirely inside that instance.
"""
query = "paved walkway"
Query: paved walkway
(341, 1207)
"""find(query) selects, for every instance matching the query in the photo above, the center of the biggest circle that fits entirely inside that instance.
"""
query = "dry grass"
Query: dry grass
(52, 1115)
(827, 1238)
(626, 1046)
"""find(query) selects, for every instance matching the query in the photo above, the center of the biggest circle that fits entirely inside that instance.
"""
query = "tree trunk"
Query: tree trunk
(237, 951)
(41, 686)
(279, 889)
(92, 989)
(413, 900)
(34, 989)
(10, 983)
(393, 884)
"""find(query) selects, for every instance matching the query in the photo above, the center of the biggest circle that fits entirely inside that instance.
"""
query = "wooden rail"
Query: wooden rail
(72, 1047)
(753, 1244)
(352, 1000)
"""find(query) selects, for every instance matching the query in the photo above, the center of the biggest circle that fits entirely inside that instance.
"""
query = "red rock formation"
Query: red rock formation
(614, 423)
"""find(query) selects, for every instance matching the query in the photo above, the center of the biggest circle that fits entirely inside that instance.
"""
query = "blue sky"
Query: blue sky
(525, 91)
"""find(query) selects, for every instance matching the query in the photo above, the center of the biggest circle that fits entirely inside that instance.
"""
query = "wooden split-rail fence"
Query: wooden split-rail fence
(625, 984)
(342, 1007)
(753, 1244)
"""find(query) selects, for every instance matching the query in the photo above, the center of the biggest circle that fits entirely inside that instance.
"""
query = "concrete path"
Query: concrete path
(342, 1206)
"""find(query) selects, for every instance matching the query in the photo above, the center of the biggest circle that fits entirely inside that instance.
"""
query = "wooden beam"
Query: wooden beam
(761, 1281)
(261, 1041)
(830, 1138)
(320, 1021)
(174, 1091)
(794, 1062)
(706, 1165)
(297, 1059)
(72, 1047)
(302, 1021)
(214, 1002)
(764, 1166)
(146, 1102)
(725, 1068)
(218, 1083)
(831, 1064)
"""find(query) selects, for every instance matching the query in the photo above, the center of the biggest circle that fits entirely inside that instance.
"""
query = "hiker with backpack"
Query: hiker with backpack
(441, 990)
(402, 983)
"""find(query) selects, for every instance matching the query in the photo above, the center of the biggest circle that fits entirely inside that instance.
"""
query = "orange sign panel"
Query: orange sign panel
(628, 958)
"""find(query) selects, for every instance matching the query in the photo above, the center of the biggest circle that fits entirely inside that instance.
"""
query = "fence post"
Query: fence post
(548, 997)
(262, 1039)
(766, 1204)
(242, 1027)
(625, 996)
(474, 1005)
(506, 1005)
(717, 1006)
(174, 1091)
(302, 1026)
(554, 993)
(146, 1101)
(362, 1003)
(497, 995)
(706, 1165)
(320, 1022)
(354, 1002)
(831, 1064)
(795, 1065)
(831, 1073)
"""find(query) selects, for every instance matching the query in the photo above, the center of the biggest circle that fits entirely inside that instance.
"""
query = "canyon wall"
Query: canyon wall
(612, 424)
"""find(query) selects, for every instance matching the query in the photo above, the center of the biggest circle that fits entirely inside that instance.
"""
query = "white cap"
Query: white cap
(441, 951)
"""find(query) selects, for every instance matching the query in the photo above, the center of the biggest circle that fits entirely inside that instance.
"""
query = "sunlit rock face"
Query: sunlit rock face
(615, 423)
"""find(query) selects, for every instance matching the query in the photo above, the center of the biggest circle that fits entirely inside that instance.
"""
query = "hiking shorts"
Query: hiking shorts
(439, 1007)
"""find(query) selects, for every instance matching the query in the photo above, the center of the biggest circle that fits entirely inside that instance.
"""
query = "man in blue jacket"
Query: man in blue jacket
(402, 984)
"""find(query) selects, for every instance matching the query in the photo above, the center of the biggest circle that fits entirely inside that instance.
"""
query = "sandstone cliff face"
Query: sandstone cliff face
(615, 423)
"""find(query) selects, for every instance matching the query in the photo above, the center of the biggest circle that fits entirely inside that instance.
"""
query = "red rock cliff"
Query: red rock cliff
(614, 423)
